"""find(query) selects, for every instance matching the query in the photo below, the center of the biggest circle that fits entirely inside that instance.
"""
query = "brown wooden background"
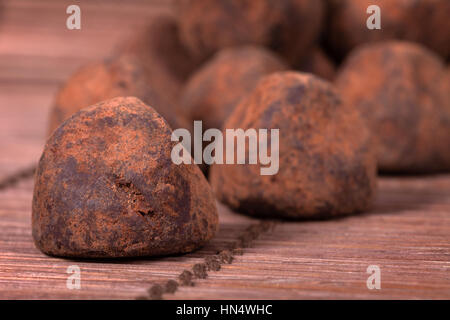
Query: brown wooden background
(407, 234)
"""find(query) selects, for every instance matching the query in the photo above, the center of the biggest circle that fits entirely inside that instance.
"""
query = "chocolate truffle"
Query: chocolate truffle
(213, 92)
(423, 21)
(289, 27)
(123, 75)
(398, 88)
(106, 187)
(326, 163)
(159, 45)
(317, 63)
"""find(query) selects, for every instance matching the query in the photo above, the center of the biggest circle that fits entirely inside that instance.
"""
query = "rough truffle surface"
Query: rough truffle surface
(399, 88)
(423, 21)
(326, 163)
(106, 187)
(214, 91)
(123, 75)
(289, 27)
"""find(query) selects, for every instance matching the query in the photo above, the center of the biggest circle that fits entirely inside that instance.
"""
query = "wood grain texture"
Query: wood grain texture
(27, 273)
(407, 234)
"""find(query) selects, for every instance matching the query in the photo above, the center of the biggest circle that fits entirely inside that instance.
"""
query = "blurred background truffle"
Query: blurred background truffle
(400, 89)
(423, 21)
(289, 27)
(152, 65)
(159, 45)
(123, 75)
(213, 92)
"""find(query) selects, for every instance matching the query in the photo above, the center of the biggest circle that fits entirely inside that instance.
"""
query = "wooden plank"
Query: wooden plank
(23, 122)
(27, 273)
(407, 235)
(34, 39)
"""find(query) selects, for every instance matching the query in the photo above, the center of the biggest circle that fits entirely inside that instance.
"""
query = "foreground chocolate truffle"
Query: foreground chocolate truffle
(424, 21)
(289, 27)
(326, 162)
(123, 75)
(398, 87)
(106, 187)
(214, 91)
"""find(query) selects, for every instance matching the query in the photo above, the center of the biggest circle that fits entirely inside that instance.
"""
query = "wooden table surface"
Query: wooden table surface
(407, 234)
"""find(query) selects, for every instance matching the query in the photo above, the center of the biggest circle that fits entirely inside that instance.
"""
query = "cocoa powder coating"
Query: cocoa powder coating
(289, 27)
(400, 89)
(106, 187)
(326, 162)
(214, 90)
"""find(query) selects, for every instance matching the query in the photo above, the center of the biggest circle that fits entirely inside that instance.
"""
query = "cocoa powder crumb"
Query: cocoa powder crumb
(226, 256)
(200, 270)
(186, 278)
(155, 292)
(171, 286)
(212, 263)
